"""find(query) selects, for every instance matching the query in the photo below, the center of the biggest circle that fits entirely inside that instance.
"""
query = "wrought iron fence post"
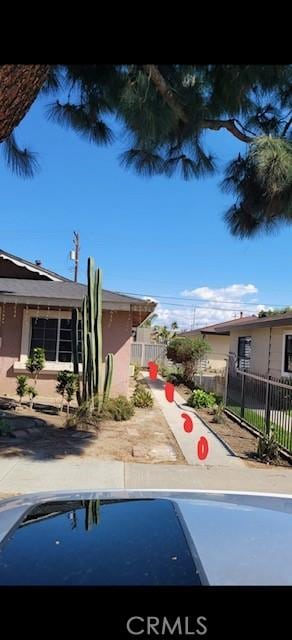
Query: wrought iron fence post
(268, 407)
(225, 395)
(242, 396)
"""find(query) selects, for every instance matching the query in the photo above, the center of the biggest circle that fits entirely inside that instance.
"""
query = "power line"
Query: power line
(240, 303)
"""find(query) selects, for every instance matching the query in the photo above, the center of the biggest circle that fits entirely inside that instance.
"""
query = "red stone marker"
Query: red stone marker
(153, 370)
(188, 423)
(169, 391)
(202, 448)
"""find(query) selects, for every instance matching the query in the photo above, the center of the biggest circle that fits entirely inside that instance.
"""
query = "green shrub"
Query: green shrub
(32, 394)
(163, 370)
(175, 378)
(218, 413)
(83, 418)
(119, 408)
(268, 449)
(66, 386)
(137, 370)
(201, 399)
(142, 397)
(36, 362)
(21, 388)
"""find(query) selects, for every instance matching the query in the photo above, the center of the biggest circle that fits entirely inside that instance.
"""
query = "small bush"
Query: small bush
(164, 371)
(32, 394)
(137, 370)
(268, 449)
(83, 418)
(119, 408)
(22, 387)
(218, 413)
(142, 397)
(175, 378)
(200, 399)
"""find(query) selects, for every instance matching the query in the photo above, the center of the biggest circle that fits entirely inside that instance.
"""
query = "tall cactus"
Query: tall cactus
(93, 388)
(84, 351)
(98, 337)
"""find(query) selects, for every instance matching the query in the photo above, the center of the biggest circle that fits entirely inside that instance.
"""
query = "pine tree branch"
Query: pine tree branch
(165, 91)
(169, 97)
(287, 125)
(229, 125)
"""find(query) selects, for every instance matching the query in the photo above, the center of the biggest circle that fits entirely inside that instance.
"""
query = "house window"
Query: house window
(288, 354)
(244, 350)
(54, 336)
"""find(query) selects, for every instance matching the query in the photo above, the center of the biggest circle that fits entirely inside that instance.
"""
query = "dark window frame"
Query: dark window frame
(59, 323)
(244, 352)
(287, 353)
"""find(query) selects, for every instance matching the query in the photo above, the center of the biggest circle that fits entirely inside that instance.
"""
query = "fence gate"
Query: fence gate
(142, 353)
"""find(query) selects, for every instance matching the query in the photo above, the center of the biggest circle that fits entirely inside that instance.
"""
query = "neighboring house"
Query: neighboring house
(263, 345)
(35, 311)
(144, 334)
(218, 337)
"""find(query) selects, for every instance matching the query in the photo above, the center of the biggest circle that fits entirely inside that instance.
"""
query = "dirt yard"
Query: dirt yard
(242, 442)
(146, 437)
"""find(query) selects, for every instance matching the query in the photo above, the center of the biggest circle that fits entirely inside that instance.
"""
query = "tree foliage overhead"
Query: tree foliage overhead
(274, 312)
(164, 112)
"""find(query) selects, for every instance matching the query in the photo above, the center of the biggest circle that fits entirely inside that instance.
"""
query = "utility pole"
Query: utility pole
(76, 241)
(194, 319)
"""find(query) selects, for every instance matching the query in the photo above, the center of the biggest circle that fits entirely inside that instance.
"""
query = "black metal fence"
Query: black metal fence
(265, 403)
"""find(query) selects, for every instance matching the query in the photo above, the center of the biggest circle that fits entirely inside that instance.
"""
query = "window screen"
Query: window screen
(288, 354)
(244, 350)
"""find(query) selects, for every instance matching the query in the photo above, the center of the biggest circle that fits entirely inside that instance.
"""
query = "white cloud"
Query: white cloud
(233, 292)
(208, 312)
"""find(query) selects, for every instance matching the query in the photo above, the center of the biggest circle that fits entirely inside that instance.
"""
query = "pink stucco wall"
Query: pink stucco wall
(116, 339)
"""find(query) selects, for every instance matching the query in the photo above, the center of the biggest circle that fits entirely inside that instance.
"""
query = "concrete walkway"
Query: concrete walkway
(218, 453)
(19, 475)
(220, 471)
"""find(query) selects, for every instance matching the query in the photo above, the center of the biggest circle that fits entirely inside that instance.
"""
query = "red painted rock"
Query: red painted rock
(202, 448)
(153, 370)
(169, 391)
(188, 423)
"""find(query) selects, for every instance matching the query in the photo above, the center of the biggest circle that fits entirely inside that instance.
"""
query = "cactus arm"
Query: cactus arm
(98, 335)
(84, 350)
(74, 343)
(108, 376)
(91, 315)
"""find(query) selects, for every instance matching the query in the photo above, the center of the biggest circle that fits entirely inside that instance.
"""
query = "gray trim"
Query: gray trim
(60, 302)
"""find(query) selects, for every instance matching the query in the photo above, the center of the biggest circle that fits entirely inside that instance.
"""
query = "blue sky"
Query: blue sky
(154, 237)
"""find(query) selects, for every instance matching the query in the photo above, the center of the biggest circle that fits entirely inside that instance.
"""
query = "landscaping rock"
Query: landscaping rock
(158, 453)
(5, 403)
(132, 432)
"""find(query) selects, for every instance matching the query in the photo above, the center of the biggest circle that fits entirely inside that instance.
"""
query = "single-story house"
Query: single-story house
(35, 311)
(261, 345)
(218, 338)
